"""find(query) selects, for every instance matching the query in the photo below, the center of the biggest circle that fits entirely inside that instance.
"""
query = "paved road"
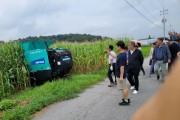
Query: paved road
(101, 103)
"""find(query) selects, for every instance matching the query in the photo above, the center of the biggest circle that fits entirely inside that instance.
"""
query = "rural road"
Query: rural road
(101, 103)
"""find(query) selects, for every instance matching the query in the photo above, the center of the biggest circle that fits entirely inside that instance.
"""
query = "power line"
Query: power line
(149, 13)
(152, 4)
(165, 3)
(161, 3)
(142, 14)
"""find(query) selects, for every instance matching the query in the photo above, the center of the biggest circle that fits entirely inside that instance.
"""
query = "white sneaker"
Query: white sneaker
(135, 92)
(132, 87)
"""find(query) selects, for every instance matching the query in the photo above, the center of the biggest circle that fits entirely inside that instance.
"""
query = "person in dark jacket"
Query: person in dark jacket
(161, 56)
(135, 62)
(138, 46)
(174, 49)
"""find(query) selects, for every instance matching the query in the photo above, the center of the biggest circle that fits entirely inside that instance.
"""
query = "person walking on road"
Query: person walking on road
(121, 71)
(111, 62)
(151, 63)
(138, 46)
(161, 56)
(135, 62)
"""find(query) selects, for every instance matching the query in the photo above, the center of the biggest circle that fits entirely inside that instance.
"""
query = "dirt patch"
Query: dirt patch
(39, 113)
(23, 103)
(1, 114)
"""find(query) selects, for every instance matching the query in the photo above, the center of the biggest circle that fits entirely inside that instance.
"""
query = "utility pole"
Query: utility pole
(164, 20)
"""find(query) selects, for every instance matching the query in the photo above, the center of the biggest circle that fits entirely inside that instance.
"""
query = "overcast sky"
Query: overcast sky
(113, 18)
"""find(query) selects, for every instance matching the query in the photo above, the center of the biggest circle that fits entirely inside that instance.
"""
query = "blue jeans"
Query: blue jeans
(152, 68)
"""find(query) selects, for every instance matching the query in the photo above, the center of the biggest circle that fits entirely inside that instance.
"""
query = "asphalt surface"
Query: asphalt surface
(101, 102)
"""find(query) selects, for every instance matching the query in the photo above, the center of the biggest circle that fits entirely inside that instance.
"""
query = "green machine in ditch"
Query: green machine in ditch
(45, 63)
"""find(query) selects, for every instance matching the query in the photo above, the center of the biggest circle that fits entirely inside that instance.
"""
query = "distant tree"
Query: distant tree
(64, 37)
(1, 42)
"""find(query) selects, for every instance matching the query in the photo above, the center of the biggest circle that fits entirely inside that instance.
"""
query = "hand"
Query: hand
(178, 53)
(111, 67)
(109, 53)
(169, 61)
(121, 79)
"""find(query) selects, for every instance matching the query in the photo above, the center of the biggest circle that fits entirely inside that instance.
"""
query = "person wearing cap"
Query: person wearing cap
(161, 57)
(174, 49)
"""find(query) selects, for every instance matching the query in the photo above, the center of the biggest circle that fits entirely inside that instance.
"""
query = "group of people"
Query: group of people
(127, 64)
(163, 53)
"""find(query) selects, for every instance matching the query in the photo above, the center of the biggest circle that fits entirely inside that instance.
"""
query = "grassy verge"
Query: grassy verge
(146, 50)
(24, 104)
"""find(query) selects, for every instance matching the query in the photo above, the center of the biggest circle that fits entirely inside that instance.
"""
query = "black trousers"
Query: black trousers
(143, 70)
(110, 73)
(170, 65)
(133, 77)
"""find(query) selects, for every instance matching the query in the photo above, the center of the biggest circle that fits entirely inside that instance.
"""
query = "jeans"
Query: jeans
(157, 66)
(152, 68)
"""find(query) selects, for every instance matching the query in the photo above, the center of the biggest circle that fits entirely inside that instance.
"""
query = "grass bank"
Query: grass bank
(24, 104)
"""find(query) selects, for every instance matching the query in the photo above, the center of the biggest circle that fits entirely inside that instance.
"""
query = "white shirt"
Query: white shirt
(111, 58)
(151, 52)
(131, 52)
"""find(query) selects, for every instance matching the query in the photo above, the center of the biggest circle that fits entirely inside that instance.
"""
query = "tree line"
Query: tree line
(65, 37)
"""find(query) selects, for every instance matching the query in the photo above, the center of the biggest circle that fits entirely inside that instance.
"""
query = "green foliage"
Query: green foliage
(50, 92)
(65, 37)
(19, 113)
(88, 56)
(13, 72)
(7, 104)
(146, 50)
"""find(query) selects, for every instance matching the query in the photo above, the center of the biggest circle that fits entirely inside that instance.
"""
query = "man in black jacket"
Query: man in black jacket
(174, 49)
(135, 62)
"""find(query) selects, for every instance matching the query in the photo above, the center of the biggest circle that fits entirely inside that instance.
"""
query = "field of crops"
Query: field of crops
(13, 72)
(87, 57)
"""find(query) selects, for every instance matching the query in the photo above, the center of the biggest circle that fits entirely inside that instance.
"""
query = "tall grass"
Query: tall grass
(13, 72)
(87, 56)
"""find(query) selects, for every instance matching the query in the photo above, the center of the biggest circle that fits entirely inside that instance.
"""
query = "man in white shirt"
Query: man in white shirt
(111, 62)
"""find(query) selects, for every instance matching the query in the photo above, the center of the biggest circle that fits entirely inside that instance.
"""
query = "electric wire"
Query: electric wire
(142, 14)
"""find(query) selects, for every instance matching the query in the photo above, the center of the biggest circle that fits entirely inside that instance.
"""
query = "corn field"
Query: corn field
(14, 76)
(13, 72)
(87, 56)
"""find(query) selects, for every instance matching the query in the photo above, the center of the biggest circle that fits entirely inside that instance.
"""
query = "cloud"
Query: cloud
(23, 18)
